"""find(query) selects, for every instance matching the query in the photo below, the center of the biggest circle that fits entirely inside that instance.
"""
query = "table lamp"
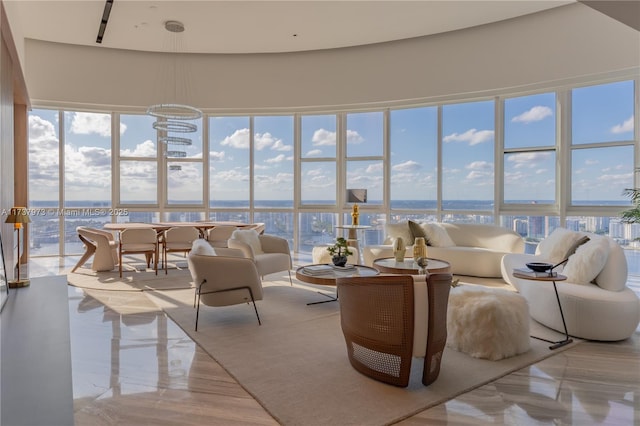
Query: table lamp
(356, 196)
(18, 216)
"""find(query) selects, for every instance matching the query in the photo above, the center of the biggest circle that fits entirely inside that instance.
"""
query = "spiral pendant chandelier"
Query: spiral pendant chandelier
(172, 118)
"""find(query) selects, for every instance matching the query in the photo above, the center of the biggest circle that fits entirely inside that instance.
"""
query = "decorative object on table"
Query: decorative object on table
(339, 251)
(4, 284)
(356, 196)
(18, 216)
(419, 249)
(399, 249)
(539, 266)
(422, 265)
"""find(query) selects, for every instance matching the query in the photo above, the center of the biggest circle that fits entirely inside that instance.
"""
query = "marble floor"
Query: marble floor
(133, 366)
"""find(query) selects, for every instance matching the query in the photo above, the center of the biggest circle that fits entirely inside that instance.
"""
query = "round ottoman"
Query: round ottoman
(487, 323)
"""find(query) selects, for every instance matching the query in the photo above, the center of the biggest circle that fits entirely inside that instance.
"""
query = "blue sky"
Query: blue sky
(600, 114)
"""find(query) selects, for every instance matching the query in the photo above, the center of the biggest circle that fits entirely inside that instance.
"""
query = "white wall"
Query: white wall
(550, 46)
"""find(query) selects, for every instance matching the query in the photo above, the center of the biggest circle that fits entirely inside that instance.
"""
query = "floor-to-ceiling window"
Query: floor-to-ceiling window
(530, 162)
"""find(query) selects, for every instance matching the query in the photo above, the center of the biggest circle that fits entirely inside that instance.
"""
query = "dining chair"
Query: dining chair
(177, 239)
(139, 241)
(218, 235)
(99, 244)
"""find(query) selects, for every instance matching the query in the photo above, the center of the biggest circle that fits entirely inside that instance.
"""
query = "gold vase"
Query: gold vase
(419, 248)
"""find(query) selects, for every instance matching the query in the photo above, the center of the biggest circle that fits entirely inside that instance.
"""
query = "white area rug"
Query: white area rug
(135, 277)
(296, 364)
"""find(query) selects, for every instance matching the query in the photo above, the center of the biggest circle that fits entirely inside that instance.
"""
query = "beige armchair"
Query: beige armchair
(388, 319)
(223, 281)
(99, 244)
(271, 254)
(177, 240)
(139, 241)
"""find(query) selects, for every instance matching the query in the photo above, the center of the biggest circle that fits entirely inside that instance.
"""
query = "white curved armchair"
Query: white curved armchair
(223, 281)
(99, 244)
(270, 254)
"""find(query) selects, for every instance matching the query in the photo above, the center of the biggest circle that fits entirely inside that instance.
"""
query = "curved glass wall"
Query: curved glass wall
(529, 162)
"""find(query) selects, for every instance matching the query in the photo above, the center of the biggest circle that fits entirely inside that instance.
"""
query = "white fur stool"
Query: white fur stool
(487, 323)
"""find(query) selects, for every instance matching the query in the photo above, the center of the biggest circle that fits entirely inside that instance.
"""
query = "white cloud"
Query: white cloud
(86, 123)
(480, 165)
(541, 171)
(617, 179)
(477, 175)
(626, 126)
(216, 156)
(239, 139)
(280, 146)
(591, 162)
(233, 175)
(354, 137)
(263, 140)
(41, 130)
(315, 172)
(528, 159)
(374, 168)
(536, 113)
(277, 159)
(407, 166)
(323, 137)
(472, 136)
(144, 149)
(314, 152)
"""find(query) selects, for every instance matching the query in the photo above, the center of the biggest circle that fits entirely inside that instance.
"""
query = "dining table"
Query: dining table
(163, 226)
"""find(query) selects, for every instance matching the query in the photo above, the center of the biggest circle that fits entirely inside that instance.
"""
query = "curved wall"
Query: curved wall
(543, 48)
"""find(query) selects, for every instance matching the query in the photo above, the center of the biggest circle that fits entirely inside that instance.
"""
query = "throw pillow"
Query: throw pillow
(400, 229)
(437, 235)
(202, 247)
(587, 262)
(575, 246)
(557, 244)
(249, 237)
(417, 231)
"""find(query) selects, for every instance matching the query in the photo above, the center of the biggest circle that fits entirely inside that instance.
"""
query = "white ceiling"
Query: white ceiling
(255, 26)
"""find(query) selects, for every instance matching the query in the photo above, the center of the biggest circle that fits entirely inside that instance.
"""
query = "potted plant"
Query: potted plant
(339, 251)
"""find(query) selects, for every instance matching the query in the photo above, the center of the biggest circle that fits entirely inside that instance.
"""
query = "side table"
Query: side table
(553, 279)
(329, 279)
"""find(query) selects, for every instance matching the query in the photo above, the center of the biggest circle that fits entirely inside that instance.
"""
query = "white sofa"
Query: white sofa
(596, 303)
(471, 249)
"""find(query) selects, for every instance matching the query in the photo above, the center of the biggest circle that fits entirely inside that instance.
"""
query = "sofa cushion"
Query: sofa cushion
(587, 262)
(555, 246)
(613, 276)
(400, 229)
(437, 235)
(417, 231)
(202, 247)
(249, 237)
(572, 249)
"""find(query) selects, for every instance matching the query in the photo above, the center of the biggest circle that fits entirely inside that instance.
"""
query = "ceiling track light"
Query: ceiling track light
(105, 18)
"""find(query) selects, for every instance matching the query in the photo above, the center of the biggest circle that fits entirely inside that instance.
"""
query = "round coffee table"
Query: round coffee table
(389, 265)
(329, 278)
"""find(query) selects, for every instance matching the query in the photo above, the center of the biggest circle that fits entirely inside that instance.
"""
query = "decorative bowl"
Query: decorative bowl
(539, 266)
